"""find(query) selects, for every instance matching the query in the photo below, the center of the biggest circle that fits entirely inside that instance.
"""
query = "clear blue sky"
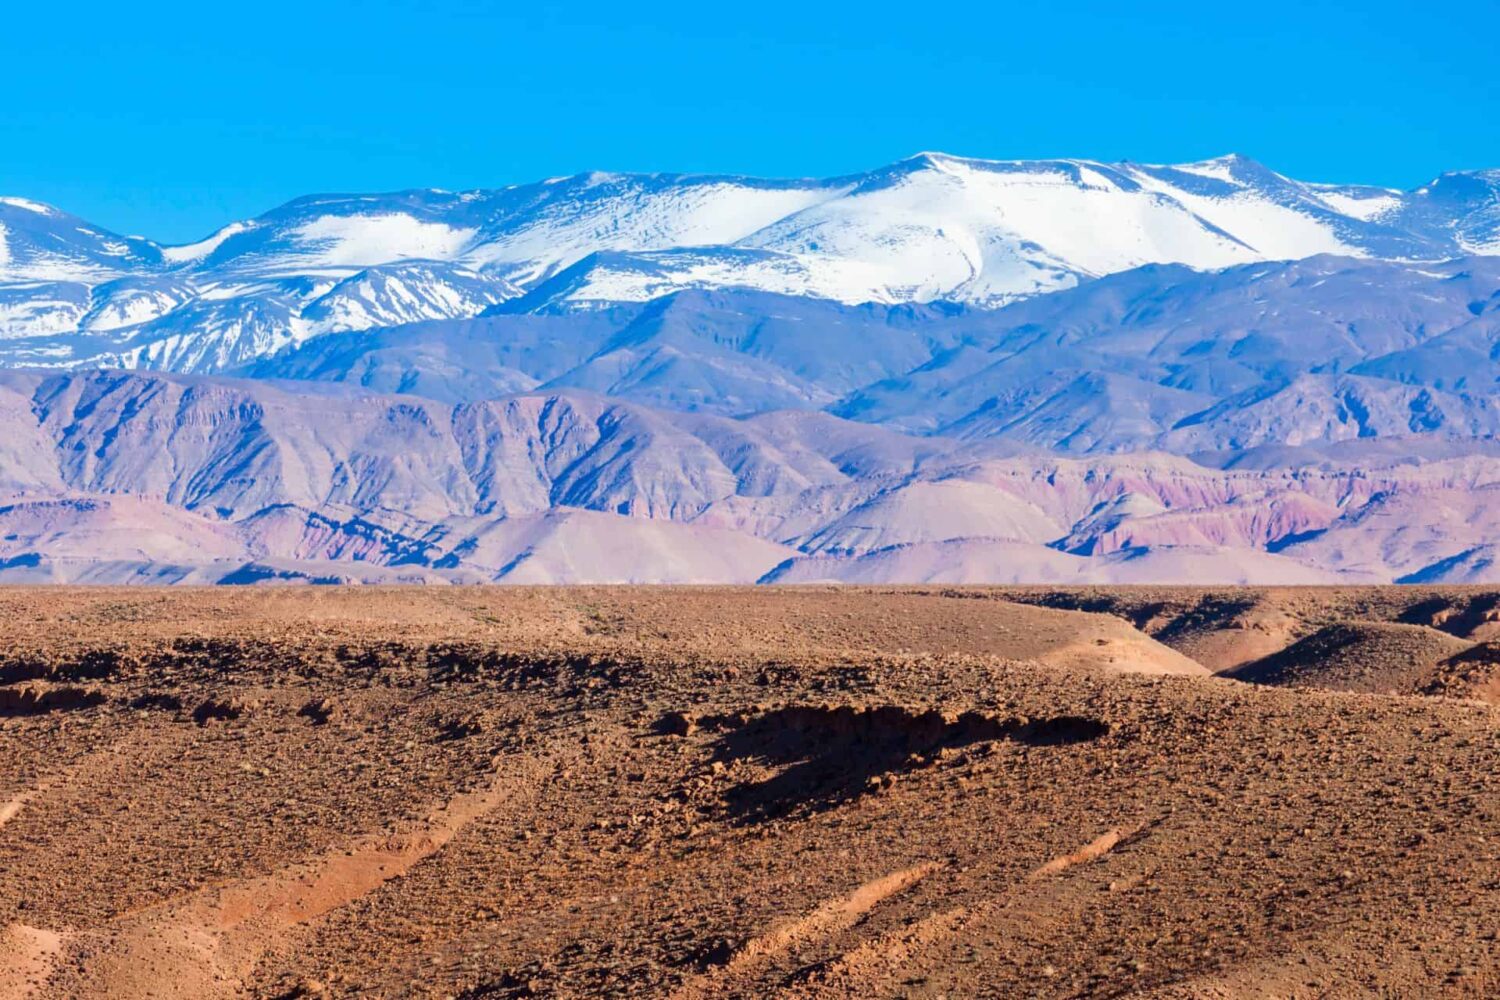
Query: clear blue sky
(168, 119)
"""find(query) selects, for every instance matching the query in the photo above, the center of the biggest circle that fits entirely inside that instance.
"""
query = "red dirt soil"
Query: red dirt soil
(703, 792)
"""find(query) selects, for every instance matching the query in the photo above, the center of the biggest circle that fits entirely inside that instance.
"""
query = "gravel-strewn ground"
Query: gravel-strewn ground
(733, 792)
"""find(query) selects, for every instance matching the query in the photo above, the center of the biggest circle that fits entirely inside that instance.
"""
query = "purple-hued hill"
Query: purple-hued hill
(942, 370)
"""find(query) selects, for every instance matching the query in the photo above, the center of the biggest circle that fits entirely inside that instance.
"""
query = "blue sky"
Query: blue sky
(169, 119)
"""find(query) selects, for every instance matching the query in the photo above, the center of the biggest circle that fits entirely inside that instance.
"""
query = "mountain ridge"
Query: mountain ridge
(942, 370)
(930, 227)
(134, 476)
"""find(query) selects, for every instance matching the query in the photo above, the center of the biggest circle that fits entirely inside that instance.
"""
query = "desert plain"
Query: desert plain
(716, 792)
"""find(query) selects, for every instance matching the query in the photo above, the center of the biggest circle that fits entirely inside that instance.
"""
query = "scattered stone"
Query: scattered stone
(318, 710)
(677, 724)
(219, 710)
(462, 727)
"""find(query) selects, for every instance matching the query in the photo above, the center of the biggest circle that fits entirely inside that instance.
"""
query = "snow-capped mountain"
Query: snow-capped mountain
(41, 243)
(932, 227)
(945, 369)
(198, 321)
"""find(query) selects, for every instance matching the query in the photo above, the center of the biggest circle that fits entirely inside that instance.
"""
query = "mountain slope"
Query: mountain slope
(987, 232)
(1163, 357)
(41, 243)
(135, 476)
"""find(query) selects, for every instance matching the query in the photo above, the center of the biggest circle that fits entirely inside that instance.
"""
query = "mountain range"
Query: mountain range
(944, 369)
(931, 227)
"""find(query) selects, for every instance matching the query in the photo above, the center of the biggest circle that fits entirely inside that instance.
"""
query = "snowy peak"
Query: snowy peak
(1463, 204)
(393, 294)
(935, 226)
(931, 227)
(530, 232)
(42, 243)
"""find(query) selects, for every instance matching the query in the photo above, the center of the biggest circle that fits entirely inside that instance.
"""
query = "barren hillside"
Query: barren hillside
(702, 792)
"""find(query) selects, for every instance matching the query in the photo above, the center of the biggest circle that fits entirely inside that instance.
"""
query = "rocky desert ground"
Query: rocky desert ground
(718, 792)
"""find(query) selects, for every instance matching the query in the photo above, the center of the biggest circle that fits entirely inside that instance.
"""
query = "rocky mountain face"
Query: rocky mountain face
(945, 369)
(131, 476)
(1163, 358)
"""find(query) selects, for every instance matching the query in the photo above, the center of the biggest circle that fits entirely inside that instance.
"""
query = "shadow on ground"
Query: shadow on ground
(828, 755)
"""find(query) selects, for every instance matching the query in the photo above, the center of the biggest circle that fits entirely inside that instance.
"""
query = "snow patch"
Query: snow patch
(1363, 209)
(1272, 231)
(196, 251)
(642, 218)
(366, 240)
(28, 205)
(1217, 169)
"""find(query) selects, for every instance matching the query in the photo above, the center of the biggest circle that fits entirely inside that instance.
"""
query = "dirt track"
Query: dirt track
(703, 793)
